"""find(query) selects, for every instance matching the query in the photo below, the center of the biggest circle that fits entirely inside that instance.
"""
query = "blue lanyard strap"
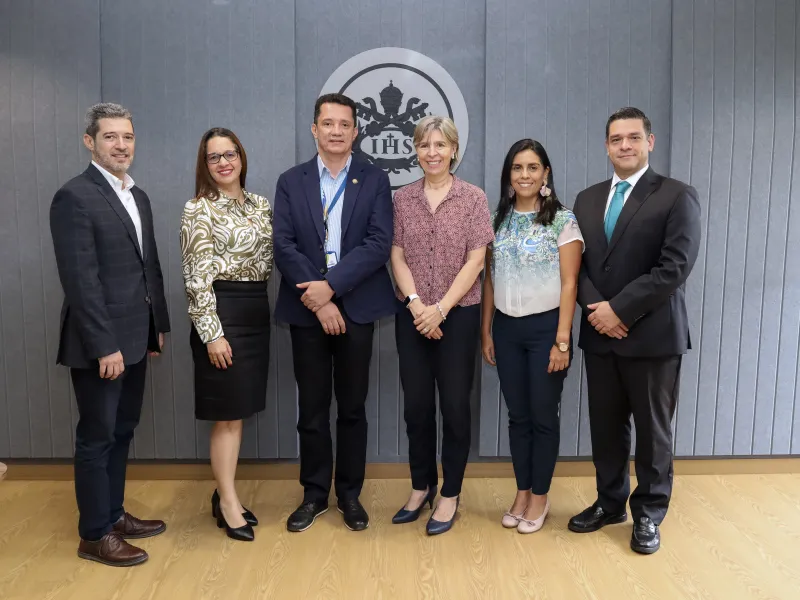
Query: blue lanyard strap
(327, 208)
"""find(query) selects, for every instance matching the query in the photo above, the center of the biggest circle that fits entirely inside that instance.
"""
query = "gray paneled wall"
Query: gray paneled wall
(736, 137)
(719, 80)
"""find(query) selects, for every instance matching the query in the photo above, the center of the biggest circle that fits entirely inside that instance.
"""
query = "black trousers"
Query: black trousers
(448, 363)
(647, 388)
(108, 413)
(522, 348)
(344, 359)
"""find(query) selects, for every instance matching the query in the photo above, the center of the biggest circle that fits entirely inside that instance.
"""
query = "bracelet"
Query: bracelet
(441, 312)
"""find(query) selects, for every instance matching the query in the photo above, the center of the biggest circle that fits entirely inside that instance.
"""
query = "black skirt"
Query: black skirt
(239, 391)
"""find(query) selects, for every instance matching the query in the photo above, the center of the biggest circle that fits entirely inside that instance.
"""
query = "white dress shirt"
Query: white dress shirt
(633, 180)
(328, 186)
(123, 191)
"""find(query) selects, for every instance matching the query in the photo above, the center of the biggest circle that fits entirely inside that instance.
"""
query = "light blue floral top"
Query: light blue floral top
(526, 271)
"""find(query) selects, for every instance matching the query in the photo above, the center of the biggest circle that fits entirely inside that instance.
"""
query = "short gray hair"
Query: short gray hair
(444, 125)
(104, 110)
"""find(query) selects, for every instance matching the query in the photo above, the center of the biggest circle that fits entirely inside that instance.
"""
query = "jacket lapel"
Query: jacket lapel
(352, 189)
(641, 191)
(313, 197)
(111, 197)
(597, 211)
(146, 224)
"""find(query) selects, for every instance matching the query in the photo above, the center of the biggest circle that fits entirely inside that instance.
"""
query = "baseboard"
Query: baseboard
(145, 470)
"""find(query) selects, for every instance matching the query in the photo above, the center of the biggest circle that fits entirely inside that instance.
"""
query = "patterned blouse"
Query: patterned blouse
(526, 272)
(222, 240)
(435, 245)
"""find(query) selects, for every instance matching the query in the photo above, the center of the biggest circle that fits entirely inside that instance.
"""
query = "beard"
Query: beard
(112, 166)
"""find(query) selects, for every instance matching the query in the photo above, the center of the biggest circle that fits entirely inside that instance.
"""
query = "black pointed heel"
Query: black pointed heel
(409, 516)
(244, 533)
(435, 527)
(249, 517)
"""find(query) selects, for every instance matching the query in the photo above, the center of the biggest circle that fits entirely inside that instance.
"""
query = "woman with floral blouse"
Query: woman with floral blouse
(441, 229)
(529, 292)
(226, 244)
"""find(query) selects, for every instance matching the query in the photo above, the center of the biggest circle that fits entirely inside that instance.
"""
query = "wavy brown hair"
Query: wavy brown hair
(204, 184)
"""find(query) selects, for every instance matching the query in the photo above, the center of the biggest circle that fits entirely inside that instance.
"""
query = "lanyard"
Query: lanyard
(327, 208)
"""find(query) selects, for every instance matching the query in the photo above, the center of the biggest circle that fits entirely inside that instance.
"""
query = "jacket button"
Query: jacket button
(607, 268)
(320, 246)
(322, 271)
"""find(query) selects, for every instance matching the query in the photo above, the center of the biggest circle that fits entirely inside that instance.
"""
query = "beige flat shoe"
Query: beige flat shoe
(510, 521)
(526, 526)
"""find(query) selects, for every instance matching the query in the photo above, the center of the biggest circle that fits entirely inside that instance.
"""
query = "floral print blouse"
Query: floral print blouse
(526, 271)
(221, 239)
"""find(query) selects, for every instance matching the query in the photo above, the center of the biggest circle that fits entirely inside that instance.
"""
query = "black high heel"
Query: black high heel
(249, 517)
(409, 516)
(244, 533)
(435, 527)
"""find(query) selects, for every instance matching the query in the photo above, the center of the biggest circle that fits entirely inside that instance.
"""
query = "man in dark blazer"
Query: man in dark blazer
(114, 312)
(333, 235)
(642, 234)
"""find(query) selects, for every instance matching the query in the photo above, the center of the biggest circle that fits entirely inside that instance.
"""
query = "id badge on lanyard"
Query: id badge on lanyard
(331, 259)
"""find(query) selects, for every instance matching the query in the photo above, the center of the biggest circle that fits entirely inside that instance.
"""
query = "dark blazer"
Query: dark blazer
(360, 279)
(110, 289)
(643, 269)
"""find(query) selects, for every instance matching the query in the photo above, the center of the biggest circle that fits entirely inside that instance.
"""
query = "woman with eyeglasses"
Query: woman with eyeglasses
(226, 244)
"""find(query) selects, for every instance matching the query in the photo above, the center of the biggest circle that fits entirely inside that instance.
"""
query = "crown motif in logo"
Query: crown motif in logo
(376, 122)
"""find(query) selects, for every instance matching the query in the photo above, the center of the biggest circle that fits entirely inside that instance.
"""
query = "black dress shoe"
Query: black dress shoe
(355, 517)
(594, 518)
(645, 538)
(244, 533)
(407, 516)
(305, 515)
(249, 517)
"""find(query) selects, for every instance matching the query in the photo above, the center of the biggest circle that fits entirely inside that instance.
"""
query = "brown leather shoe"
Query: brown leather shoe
(112, 550)
(131, 528)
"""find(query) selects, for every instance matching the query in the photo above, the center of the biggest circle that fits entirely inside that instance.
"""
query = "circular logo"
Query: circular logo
(393, 89)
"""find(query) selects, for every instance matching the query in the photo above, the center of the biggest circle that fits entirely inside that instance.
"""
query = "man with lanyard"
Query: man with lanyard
(333, 234)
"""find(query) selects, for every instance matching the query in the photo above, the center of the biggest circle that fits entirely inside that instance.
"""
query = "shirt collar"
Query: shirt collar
(115, 181)
(322, 168)
(223, 198)
(633, 179)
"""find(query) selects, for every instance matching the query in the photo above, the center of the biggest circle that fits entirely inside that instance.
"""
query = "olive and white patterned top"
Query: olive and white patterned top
(221, 239)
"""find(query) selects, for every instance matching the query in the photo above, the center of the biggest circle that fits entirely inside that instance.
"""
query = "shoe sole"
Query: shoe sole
(128, 563)
(348, 526)
(310, 524)
(645, 550)
(615, 521)
(144, 535)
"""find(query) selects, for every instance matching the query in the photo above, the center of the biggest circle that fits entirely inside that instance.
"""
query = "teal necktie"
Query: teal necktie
(617, 202)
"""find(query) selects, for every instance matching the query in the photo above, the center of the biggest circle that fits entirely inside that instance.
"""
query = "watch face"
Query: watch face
(563, 347)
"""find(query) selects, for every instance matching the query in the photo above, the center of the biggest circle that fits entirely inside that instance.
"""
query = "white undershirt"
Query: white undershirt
(123, 191)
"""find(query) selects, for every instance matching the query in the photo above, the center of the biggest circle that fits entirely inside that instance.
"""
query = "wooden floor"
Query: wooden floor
(727, 537)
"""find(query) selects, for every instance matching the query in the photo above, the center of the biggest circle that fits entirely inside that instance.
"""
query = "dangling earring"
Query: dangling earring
(544, 191)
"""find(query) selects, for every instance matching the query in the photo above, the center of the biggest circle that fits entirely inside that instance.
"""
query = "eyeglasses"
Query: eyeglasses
(230, 156)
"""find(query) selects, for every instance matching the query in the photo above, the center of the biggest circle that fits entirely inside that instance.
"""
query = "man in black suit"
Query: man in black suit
(114, 312)
(642, 233)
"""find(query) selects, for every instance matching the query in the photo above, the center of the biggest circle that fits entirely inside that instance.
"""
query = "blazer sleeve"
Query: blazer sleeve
(294, 266)
(76, 259)
(678, 255)
(374, 251)
(587, 292)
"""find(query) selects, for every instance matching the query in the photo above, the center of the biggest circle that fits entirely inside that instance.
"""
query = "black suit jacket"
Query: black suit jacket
(643, 269)
(111, 289)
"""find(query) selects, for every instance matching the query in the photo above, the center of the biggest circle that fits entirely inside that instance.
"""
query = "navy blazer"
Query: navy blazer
(360, 279)
(112, 290)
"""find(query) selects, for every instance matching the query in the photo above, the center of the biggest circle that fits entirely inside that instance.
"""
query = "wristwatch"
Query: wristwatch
(562, 346)
(410, 299)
